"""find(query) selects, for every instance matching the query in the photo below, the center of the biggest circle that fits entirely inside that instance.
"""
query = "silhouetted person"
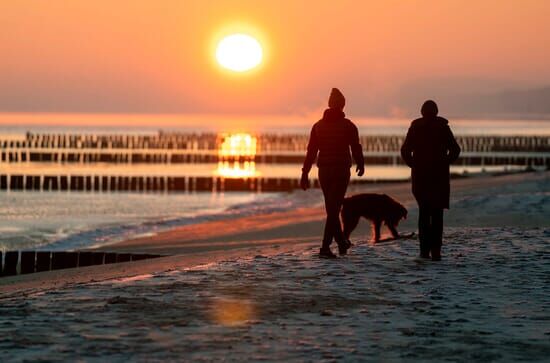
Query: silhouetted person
(332, 137)
(429, 149)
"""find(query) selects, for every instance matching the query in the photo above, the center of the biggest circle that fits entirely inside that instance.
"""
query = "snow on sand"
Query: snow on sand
(486, 301)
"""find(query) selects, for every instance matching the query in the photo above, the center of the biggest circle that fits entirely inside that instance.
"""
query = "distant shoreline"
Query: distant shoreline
(151, 123)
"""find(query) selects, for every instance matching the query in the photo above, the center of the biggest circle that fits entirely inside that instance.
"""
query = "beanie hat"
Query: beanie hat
(336, 99)
(429, 109)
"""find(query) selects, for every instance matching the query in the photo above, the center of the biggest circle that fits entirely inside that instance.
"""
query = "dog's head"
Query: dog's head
(400, 213)
(403, 212)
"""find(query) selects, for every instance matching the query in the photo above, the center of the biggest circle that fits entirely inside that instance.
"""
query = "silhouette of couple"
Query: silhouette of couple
(428, 150)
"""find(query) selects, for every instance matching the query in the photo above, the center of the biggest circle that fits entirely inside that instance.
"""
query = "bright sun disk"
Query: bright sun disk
(239, 52)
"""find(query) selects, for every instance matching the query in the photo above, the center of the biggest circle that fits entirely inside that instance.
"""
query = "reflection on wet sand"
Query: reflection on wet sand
(231, 312)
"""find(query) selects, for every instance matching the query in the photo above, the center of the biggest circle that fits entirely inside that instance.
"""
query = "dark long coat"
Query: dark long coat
(428, 150)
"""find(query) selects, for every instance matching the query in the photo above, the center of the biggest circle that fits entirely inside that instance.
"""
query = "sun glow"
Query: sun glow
(238, 145)
(237, 170)
(236, 155)
(239, 52)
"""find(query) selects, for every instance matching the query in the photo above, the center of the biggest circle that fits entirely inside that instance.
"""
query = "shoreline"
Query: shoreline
(195, 237)
(216, 241)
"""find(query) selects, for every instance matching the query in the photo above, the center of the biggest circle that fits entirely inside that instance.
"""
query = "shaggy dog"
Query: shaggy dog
(377, 208)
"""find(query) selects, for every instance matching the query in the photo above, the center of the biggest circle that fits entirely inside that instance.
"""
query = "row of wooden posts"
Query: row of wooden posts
(161, 140)
(26, 262)
(265, 142)
(18, 156)
(111, 157)
(389, 143)
(146, 183)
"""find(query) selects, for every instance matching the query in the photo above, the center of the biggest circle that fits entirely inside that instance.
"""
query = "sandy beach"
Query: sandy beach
(153, 156)
(253, 286)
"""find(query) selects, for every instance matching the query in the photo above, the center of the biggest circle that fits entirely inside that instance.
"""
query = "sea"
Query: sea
(73, 220)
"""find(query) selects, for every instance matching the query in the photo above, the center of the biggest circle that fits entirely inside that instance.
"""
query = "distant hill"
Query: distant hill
(473, 99)
(533, 103)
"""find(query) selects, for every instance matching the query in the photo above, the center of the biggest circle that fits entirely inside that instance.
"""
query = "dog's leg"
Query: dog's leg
(349, 225)
(393, 231)
(377, 225)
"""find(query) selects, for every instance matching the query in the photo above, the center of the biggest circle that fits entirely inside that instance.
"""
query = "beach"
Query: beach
(172, 176)
(253, 286)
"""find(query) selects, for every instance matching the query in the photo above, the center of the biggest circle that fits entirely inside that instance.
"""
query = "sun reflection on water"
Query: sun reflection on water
(237, 169)
(236, 155)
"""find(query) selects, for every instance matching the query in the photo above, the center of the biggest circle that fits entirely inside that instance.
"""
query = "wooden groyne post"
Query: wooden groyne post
(26, 262)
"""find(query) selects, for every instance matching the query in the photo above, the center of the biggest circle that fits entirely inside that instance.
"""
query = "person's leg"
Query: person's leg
(332, 220)
(340, 187)
(424, 231)
(437, 234)
(334, 182)
(325, 179)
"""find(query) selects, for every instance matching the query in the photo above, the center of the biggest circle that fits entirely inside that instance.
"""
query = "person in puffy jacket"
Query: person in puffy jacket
(330, 141)
(428, 150)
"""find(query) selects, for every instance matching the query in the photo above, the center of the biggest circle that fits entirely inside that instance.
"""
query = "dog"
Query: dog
(378, 208)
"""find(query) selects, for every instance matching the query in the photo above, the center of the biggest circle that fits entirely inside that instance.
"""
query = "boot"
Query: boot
(424, 249)
(343, 247)
(436, 253)
(325, 252)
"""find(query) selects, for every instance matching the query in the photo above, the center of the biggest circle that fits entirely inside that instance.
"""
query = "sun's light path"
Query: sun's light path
(236, 156)
(239, 52)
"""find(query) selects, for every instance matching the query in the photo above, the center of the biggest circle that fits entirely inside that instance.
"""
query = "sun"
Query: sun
(239, 52)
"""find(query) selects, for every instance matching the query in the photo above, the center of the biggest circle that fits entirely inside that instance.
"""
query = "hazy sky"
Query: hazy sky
(157, 56)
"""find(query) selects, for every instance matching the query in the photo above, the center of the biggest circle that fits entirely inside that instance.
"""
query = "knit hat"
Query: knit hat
(429, 109)
(336, 99)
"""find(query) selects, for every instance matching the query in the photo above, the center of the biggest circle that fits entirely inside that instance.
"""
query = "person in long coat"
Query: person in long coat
(428, 150)
(330, 141)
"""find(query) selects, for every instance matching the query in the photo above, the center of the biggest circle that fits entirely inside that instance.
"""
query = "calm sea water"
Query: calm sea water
(70, 220)
(18, 124)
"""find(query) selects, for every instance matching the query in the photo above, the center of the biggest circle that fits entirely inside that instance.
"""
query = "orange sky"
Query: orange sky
(156, 56)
